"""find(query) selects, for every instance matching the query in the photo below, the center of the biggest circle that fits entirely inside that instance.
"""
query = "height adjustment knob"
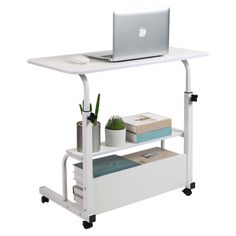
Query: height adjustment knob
(194, 97)
(92, 117)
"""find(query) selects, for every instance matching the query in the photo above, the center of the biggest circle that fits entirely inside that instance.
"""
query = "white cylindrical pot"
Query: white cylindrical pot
(115, 138)
(96, 139)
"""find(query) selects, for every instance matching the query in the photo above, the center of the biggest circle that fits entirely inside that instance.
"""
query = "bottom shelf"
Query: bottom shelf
(155, 175)
(138, 183)
(128, 186)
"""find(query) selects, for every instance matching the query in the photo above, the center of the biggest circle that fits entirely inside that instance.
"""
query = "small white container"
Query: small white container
(115, 138)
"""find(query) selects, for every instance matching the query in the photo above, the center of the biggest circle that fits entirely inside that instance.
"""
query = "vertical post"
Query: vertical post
(162, 144)
(87, 153)
(64, 178)
(188, 125)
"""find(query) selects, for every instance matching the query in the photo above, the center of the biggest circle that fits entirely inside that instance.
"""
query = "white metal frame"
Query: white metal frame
(88, 181)
(188, 125)
(87, 170)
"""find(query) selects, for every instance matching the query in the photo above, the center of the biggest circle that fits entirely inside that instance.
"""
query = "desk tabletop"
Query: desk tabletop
(63, 63)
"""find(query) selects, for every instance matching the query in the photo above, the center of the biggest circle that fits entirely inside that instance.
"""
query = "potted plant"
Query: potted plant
(115, 132)
(96, 137)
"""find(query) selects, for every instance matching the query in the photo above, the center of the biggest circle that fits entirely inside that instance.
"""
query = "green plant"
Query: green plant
(115, 123)
(94, 121)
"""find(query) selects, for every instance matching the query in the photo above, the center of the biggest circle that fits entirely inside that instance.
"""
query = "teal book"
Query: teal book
(107, 165)
(138, 138)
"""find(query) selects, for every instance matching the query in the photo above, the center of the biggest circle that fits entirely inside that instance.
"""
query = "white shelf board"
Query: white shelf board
(105, 149)
(63, 63)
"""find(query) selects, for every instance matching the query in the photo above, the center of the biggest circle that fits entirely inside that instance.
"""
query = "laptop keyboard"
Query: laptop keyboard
(108, 56)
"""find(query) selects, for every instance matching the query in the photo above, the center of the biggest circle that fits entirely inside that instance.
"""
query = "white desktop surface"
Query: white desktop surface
(63, 63)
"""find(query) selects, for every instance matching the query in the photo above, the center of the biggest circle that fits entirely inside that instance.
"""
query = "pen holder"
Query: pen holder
(96, 138)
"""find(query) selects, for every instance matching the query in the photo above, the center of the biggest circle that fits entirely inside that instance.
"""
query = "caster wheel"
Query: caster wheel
(44, 199)
(187, 191)
(87, 224)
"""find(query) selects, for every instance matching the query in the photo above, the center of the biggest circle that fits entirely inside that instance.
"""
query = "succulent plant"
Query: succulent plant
(115, 123)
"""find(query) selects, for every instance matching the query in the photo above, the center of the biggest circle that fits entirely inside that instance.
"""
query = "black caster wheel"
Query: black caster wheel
(87, 224)
(44, 199)
(187, 191)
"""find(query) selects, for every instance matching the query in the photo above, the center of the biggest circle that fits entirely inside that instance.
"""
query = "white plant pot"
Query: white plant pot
(115, 138)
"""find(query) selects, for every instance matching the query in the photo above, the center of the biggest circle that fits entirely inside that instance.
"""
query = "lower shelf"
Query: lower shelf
(138, 183)
(157, 175)
(124, 187)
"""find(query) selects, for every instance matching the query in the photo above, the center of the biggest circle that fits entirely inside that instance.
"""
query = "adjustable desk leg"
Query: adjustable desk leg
(188, 129)
(87, 153)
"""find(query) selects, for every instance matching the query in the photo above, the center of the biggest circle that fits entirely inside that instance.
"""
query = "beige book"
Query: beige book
(77, 190)
(79, 183)
(79, 200)
(146, 122)
(77, 174)
(150, 155)
(78, 171)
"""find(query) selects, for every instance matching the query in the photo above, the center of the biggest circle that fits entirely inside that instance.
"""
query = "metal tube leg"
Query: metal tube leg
(188, 138)
(87, 153)
(64, 177)
(188, 125)
(162, 144)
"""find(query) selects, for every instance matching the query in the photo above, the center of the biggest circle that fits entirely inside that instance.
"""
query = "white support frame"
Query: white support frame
(88, 184)
(87, 153)
(88, 181)
(188, 126)
(64, 177)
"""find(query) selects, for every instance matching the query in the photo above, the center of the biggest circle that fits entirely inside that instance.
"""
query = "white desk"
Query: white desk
(121, 188)
(63, 63)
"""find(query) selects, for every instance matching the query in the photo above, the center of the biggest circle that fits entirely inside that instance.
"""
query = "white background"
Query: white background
(39, 110)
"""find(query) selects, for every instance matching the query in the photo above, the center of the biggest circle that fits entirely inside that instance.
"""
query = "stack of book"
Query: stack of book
(101, 166)
(146, 126)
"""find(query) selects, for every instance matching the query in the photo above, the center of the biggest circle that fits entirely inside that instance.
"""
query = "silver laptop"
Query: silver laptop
(138, 35)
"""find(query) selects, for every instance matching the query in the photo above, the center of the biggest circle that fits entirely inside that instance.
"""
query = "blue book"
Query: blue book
(107, 165)
(138, 138)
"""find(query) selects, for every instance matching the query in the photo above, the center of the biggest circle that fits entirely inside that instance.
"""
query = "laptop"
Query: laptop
(138, 35)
